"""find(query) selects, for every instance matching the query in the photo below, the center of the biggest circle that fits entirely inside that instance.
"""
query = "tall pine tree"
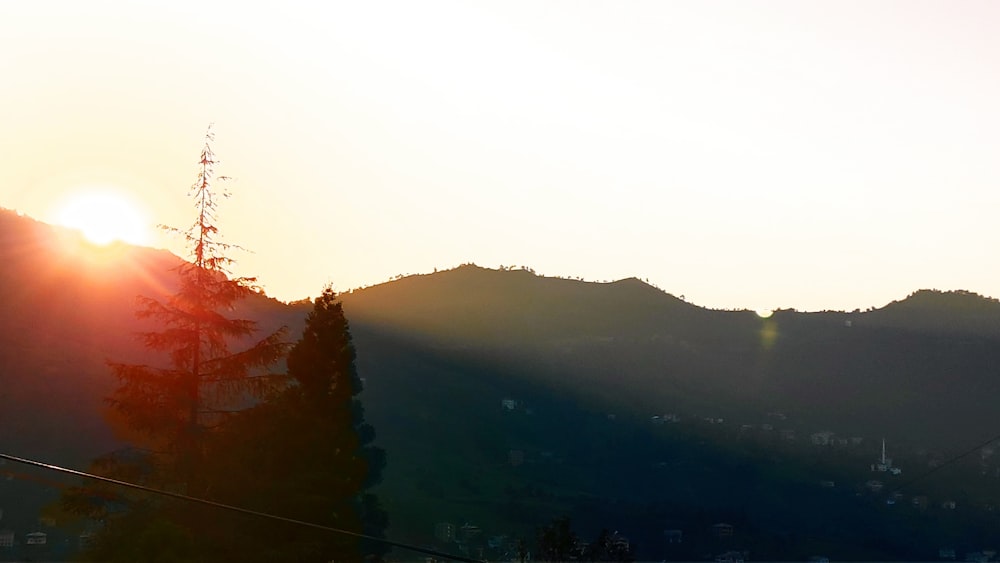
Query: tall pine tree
(311, 453)
(174, 409)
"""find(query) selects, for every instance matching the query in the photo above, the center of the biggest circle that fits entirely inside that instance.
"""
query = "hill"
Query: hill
(443, 350)
(505, 399)
(917, 366)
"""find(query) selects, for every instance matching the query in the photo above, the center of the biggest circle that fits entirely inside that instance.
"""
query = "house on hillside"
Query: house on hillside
(673, 535)
(731, 557)
(821, 438)
(85, 540)
(444, 532)
(36, 538)
(6, 538)
(722, 531)
(469, 532)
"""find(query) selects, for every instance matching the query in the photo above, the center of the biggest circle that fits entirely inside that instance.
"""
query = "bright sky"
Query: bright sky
(806, 154)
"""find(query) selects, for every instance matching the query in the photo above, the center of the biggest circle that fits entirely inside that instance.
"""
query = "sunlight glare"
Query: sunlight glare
(764, 313)
(104, 216)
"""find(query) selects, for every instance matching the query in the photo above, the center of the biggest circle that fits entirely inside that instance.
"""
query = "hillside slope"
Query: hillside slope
(586, 367)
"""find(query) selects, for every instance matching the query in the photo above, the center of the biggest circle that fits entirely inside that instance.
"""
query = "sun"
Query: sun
(764, 313)
(103, 217)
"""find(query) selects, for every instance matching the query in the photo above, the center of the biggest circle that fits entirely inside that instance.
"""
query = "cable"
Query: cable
(179, 496)
(948, 462)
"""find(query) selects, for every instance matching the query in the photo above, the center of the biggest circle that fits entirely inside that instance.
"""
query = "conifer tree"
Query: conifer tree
(311, 453)
(173, 409)
(175, 406)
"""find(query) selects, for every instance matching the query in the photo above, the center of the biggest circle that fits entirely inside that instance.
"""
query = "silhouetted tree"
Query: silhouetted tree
(170, 411)
(311, 453)
(556, 542)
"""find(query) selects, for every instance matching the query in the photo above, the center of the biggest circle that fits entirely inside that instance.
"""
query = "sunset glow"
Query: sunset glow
(103, 217)
(583, 139)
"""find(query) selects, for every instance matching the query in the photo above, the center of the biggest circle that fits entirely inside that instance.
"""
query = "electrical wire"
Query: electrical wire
(232, 508)
(948, 462)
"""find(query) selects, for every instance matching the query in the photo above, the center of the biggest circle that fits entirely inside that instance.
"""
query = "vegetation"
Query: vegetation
(218, 424)
(173, 409)
(440, 351)
(310, 451)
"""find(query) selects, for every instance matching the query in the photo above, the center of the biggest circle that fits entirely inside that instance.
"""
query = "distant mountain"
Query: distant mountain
(504, 398)
(920, 365)
(932, 311)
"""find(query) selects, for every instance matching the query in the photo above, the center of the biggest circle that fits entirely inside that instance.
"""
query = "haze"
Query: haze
(815, 155)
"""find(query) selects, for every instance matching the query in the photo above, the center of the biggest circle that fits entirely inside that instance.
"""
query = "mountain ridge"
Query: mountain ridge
(590, 365)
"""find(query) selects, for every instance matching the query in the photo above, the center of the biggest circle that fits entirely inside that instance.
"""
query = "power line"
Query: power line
(232, 508)
(948, 462)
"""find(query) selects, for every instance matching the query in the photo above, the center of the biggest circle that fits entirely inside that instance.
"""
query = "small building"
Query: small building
(673, 535)
(730, 557)
(621, 543)
(444, 532)
(874, 485)
(722, 530)
(6, 538)
(85, 540)
(821, 438)
(469, 532)
(949, 505)
(36, 538)
(508, 404)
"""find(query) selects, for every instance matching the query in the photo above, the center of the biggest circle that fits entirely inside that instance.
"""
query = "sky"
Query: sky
(816, 155)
